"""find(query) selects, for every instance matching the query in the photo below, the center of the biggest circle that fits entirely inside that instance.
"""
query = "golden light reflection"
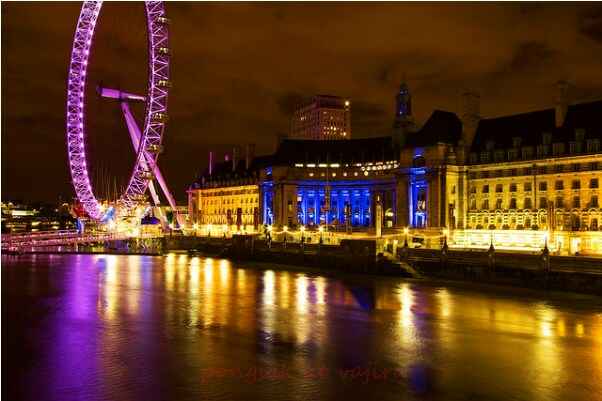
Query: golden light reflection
(170, 272)
(302, 324)
(407, 330)
(195, 268)
(224, 272)
(547, 361)
(208, 293)
(546, 316)
(193, 287)
(267, 306)
(444, 299)
(561, 328)
(268, 287)
(133, 290)
(579, 330)
(182, 271)
(241, 280)
(301, 283)
(111, 286)
(320, 290)
(284, 290)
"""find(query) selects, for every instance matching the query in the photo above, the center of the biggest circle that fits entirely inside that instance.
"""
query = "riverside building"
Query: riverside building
(517, 181)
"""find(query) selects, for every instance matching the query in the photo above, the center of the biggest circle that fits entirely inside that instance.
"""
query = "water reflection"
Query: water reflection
(140, 326)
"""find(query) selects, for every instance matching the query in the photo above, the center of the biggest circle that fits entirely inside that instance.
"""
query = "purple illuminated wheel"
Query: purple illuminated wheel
(155, 111)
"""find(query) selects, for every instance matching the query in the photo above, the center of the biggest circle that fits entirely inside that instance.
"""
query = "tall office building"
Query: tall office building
(324, 118)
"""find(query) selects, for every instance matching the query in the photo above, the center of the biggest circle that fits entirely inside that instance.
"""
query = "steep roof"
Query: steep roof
(530, 126)
(334, 151)
(442, 126)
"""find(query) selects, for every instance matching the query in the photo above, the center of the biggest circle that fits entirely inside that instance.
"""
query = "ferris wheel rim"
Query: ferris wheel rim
(155, 108)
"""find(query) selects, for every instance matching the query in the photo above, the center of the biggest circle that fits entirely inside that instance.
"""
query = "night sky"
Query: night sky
(239, 69)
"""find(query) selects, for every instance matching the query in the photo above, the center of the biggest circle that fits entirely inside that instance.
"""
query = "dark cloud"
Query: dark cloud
(590, 23)
(288, 102)
(238, 70)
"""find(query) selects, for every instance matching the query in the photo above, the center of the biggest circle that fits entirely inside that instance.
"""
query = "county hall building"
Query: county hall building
(524, 178)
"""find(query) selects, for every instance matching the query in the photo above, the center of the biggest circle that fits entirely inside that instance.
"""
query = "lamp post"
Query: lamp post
(269, 236)
(302, 236)
(406, 230)
(321, 230)
(445, 234)
(285, 230)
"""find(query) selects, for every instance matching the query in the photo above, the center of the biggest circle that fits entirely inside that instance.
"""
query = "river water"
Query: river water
(107, 327)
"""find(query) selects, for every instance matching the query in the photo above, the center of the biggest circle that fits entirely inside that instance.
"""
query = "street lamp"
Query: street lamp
(285, 229)
(445, 234)
(321, 230)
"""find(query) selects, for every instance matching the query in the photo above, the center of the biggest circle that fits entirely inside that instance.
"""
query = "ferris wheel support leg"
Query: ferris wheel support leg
(135, 135)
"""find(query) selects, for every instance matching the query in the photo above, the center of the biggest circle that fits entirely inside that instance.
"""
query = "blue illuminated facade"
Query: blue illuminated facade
(320, 202)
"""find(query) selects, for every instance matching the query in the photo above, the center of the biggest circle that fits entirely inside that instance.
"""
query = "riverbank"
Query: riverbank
(361, 257)
(539, 272)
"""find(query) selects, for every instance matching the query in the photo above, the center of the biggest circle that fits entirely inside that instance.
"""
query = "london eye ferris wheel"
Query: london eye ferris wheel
(146, 140)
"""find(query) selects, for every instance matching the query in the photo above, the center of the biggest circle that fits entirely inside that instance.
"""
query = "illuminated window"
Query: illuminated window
(543, 203)
(559, 202)
(576, 202)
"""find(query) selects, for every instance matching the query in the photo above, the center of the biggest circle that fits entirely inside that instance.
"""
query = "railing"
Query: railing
(32, 241)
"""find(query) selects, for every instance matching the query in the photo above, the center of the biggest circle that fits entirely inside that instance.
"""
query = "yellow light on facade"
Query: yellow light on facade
(285, 228)
(195, 226)
(302, 228)
(347, 103)
(320, 229)
(270, 228)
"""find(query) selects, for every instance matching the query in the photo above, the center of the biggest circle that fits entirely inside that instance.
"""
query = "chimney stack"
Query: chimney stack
(562, 102)
(470, 116)
(210, 162)
(250, 155)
